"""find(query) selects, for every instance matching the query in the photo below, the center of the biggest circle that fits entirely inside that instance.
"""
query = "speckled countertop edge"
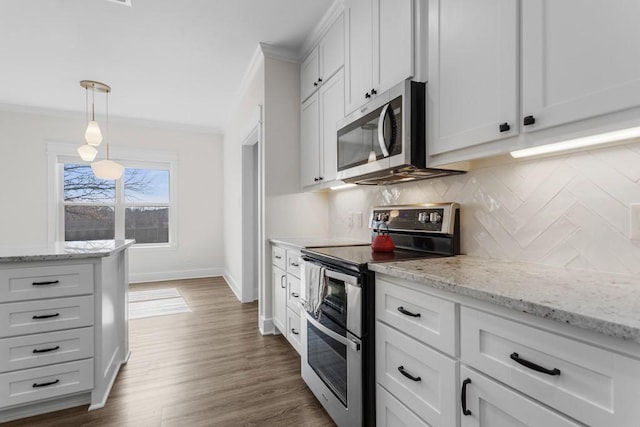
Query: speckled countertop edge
(64, 251)
(601, 302)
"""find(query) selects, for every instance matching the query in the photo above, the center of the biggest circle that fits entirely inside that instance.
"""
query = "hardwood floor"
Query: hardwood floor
(211, 367)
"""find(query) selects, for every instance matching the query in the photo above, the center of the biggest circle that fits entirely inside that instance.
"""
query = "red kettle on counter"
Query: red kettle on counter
(383, 242)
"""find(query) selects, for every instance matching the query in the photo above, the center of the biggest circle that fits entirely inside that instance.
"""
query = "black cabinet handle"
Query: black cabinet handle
(320, 178)
(46, 316)
(52, 282)
(294, 332)
(293, 294)
(373, 91)
(529, 120)
(504, 127)
(295, 264)
(278, 257)
(408, 375)
(366, 95)
(463, 396)
(407, 313)
(46, 350)
(36, 385)
(282, 285)
(535, 367)
(315, 84)
(319, 79)
(315, 179)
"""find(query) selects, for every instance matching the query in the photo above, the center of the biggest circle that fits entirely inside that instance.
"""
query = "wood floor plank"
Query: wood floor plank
(210, 367)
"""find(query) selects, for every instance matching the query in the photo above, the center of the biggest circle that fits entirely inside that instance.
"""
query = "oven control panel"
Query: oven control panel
(428, 217)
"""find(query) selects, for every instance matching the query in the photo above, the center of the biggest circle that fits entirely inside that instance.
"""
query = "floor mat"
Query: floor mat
(156, 302)
(150, 294)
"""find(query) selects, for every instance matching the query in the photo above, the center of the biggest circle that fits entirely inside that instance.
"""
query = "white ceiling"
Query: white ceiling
(176, 61)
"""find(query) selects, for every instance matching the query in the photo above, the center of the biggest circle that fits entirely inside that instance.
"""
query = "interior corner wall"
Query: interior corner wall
(249, 100)
(24, 217)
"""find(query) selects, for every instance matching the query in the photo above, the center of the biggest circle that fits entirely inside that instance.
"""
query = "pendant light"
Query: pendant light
(103, 169)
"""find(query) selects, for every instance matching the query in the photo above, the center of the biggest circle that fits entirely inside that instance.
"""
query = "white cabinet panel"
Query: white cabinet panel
(279, 283)
(493, 405)
(331, 50)
(417, 375)
(278, 257)
(18, 284)
(358, 52)
(293, 262)
(293, 293)
(390, 412)
(309, 74)
(331, 111)
(293, 330)
(592, 385)
(310, 141)
(473, 73)
(578, 59)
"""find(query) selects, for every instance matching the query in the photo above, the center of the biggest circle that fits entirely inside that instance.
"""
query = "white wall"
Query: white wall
(570, 210)
(23, 217)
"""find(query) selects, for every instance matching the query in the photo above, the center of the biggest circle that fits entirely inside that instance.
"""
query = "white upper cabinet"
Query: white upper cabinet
(579, 59)
(379, 47)
(473, 73)
(324, 60)
(319, 117)
(569, 71)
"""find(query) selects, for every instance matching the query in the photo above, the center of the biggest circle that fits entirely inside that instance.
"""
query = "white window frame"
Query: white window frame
(60, 153)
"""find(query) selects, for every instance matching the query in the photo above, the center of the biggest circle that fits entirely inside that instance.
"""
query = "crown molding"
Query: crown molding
(279, 53)
(75, 115)
(327, 20)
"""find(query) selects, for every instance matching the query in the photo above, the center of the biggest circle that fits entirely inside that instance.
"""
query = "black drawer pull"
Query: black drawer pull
(408, 375)
(408, 313)
(293, 294)
(366, 95)
(278, 257)
(504, 127)
(294, 332)
(46, 316)
(463, 396)
(315, 84)
(531, 365)
(529, 120)
(52, 282)
(36, 385)
(295, 264)
(46, 350)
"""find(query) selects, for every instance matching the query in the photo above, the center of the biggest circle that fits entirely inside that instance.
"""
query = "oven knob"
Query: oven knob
(423, 217)
(435, 217)
(385, 216)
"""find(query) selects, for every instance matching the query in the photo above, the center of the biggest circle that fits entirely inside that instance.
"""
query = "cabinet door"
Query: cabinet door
(279, 284)
(331, 111)
(310, 141)
(473, 69)
(331, 50)
(579, 59)
(393, 40)
(358, 52)
(309, 74)
(493, 405)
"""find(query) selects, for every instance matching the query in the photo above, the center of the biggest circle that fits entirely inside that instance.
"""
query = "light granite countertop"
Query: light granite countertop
(317, 242)
(604, 302)
(63, 250)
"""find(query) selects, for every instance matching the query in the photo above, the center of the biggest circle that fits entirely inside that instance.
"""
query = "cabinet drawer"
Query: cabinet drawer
(17, 284)
(391, 413)
(424, 317)
(30, 385)
(30, 351)
(31, 317)
(293, 293)
(278, 257)
(592, 385)
(293, 262)
(492, 404)
(431, 391)
(293, 330)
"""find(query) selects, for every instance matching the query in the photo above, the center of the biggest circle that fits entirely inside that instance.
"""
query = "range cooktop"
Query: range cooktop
(363, 254)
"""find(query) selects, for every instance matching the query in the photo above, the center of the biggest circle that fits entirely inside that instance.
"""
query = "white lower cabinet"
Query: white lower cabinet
(279, 283)
(285, 282)
(293, 330)
(489, 404)
(507, 369)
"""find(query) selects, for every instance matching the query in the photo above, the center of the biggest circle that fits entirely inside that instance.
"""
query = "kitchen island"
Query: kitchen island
(63, 325)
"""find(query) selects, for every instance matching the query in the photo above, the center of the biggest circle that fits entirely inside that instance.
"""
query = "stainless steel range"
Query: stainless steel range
(338, 300)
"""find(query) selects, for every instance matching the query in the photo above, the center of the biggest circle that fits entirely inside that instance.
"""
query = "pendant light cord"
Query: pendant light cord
(106, 134)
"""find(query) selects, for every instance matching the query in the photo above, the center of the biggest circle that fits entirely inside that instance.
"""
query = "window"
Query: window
(141, 205)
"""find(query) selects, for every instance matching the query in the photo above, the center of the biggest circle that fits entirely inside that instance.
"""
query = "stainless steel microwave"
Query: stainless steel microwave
(385, 142)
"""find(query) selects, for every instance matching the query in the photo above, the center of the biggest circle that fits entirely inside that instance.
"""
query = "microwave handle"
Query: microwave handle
(381, 140)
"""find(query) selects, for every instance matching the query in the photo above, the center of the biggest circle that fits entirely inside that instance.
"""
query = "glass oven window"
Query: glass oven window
(328, 358)
(334, 306)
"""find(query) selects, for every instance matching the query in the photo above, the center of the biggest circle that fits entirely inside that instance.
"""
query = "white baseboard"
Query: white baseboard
(175, 275)
(233, 285)
(266, 326)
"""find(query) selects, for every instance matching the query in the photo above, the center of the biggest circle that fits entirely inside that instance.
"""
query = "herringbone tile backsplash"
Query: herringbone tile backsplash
(570, 210)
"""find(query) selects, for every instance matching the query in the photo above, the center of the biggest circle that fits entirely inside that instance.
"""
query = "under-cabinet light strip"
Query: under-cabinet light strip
(571, 144)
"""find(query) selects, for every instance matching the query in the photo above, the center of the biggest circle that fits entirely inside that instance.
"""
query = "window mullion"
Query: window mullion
(119, 209)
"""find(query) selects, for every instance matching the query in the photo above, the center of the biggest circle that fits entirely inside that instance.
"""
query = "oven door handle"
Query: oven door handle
(352, 280)
(352, 343)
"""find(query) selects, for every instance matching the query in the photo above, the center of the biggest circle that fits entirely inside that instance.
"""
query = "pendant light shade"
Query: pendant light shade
(87, 152)
(372, 156)
(107, 169)
(93, 136)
